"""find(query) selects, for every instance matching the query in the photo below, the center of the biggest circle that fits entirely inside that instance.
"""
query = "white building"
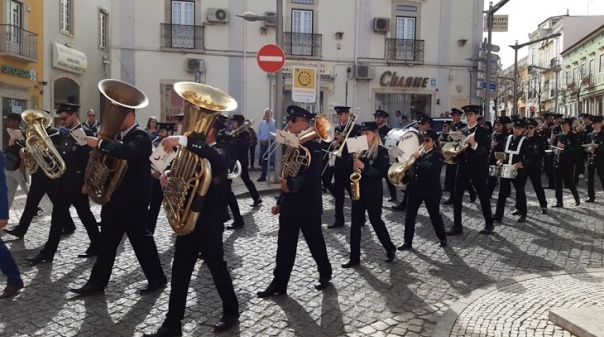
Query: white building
(76, 52)
(372, 54)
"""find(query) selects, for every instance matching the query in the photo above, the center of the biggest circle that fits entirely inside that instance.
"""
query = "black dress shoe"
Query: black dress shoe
(550, 187)
(405, 246)
(67, 231)
(543, 210)
(390, 255)
(577, 202)
(336, 225)
(16, 232)
(472, 199)
(590, 200)
(153, 286)
(455, 230)
(90, 252)
(11, 290)
(558, 205)
(400, 207)
(40, 258)
(236, 225)
(443, 243)
(522, 219)
(516, 212)
(392, 200)
(226, 322)
(351, 263)
(323, 283)
(497, 218)
(165, 332)
(487, 230)
(88, 289)
(449, 201)
(271, 290)
(256, 202)
(261, 179)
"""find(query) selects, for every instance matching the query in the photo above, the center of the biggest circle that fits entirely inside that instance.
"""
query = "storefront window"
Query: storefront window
(406, 103)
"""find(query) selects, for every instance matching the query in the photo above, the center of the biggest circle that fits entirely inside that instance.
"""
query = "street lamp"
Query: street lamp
(516, 47)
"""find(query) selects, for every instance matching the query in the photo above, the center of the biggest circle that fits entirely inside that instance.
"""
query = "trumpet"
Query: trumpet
(273, 147)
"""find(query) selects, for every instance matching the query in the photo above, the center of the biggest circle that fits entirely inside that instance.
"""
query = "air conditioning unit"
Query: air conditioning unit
(364, 72)
(271, 19)
(220, 15)
(381, 25)
(194, 64)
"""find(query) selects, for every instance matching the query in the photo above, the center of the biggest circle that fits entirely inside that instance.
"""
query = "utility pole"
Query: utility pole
(487, 91)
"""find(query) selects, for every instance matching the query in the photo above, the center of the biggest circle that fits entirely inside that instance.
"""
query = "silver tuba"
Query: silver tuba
(41, 152)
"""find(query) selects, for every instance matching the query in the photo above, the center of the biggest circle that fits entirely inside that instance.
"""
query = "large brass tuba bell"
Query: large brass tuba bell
(190, 176)
(104, 173)
(41, 152)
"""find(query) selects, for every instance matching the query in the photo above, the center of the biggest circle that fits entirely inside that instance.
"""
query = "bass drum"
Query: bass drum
(401, 144)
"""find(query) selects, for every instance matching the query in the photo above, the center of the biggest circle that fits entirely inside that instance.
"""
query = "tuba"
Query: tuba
(41, 152)
(295, 158)
(355, 181)
(190, 176)
(105, 173)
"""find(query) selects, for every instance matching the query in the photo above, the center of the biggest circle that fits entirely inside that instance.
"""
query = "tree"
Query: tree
(577, 79)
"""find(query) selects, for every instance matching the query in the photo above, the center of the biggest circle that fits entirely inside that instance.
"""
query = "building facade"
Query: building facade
(381, 54)
(21, 70)
(505, 80)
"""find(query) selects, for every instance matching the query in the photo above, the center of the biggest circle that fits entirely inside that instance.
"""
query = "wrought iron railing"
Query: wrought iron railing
(18, 42)
(302, 44)
(181, 36)
(405, 50)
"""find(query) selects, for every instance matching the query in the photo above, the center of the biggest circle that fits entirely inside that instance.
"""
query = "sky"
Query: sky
(525, 15)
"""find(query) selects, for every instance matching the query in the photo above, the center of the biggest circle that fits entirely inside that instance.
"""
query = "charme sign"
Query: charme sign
(68, 59)
(391, 79)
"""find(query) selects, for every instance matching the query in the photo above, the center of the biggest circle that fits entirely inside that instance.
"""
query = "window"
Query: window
(302, 37)
(405, 38)
(183, 24)
(103, 29)
(304, 2)
(14, 30)
(601, 63)
(65, 16)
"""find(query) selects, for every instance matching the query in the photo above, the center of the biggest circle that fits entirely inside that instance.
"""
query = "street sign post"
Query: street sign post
(271, 58)
(500, 23)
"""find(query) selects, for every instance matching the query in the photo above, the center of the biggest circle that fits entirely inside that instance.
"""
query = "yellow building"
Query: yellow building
(21, 66)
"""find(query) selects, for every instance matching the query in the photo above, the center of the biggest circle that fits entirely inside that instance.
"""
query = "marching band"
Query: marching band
(120, 176)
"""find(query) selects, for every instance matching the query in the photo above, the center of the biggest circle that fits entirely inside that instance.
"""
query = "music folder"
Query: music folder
(79, 135)
(160, 159)
(456, 136)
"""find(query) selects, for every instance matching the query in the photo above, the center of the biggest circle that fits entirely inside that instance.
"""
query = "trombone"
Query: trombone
(272, 146)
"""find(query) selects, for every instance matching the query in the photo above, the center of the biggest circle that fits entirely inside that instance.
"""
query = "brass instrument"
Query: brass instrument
(398, 171)
(235, 172)
(295, 158)
(190, 176)
(273, 145)
(243, 127)
(347, 129)
(355, 179)
(452, 150)
(41, 152)
(104, 173)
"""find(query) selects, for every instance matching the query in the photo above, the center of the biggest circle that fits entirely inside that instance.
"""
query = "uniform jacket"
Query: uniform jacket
(135, 147)
(572, 146)
(458, 126)
(500, 138)
(383, 131)
(516, 149)
(535, 152)
(371, 176)
(474, 162)
(344, 163)
(425, 179)
(242, 147)
(597, 138)
(76, 160)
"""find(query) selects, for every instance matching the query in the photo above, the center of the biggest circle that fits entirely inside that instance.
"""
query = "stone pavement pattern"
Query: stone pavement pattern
(405, 298)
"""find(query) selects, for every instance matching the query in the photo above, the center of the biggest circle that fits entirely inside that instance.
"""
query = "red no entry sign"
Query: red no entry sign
(271, 58)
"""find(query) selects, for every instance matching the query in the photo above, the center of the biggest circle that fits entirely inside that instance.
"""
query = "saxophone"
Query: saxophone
(190, 177)
(355, 179)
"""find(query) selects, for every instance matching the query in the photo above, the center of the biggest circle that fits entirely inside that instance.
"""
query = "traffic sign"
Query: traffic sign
(494, 48)
(483, 85)
(271, 58)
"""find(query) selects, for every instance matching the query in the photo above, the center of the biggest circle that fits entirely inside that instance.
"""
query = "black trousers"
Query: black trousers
(504, 192)
(341, 184)
(433, 207)
(245, 176)
(231, 200)
(61, 216)
(327, 178)
(591, 172)
(580, 165)
(117, 220)
(480, 184)
(37, 189)
(450, 177)
(550, 163)
(157, 196)
(373, 205)
(391, 189)
(207, 240)
(565, 177)
(287, 244)
(535, 176)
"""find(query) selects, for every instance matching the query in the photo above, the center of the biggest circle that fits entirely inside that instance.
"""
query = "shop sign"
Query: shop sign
(68, 59)
(391, 79)
(304, 86)
(14, 71)
(324, 67)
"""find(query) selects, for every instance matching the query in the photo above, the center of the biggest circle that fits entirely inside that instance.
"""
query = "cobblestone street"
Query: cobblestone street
(405, 298)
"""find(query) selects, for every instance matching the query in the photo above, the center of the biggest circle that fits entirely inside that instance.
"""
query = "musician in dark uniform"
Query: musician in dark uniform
(205, 238)
(473, 169)
(570, 147)
(372, 165)
(424, 186)
(535, 153)
(300, 207)
(515, 148)
(157, 193)
(343, 166)
(228, 142)
(126, 211)
(498, 140)
(456, 125)
(554, 131)
(381, 118)
(595, 155)
(582, 131)
(242, 147)
(72, 190)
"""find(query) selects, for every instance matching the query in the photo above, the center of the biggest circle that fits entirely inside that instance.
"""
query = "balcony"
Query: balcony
(405, 50)
(302, 44)
(19, 43)
(181, 36)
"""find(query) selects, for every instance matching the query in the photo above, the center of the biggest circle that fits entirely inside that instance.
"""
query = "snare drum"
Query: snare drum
(508, 171)
(494, 170)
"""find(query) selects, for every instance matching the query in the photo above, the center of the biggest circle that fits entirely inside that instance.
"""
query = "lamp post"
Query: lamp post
(516, 47)
(278, 111)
